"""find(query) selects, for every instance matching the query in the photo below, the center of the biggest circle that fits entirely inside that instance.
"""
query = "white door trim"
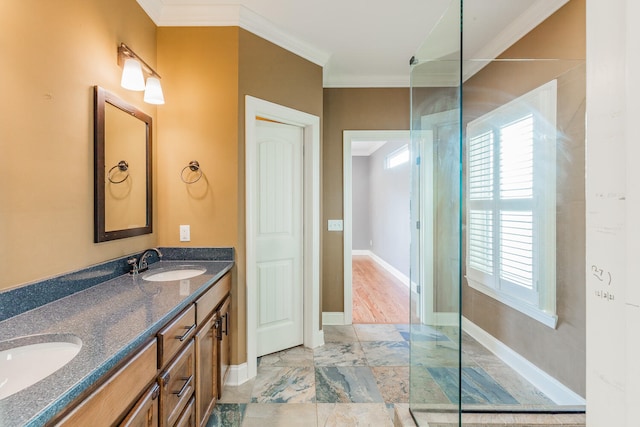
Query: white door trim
(254, 108)
(347, 137)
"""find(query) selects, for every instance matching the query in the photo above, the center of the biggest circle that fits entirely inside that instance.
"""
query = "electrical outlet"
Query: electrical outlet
(185, 233)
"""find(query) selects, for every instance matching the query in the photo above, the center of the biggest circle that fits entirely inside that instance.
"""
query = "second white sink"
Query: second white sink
(181, 273)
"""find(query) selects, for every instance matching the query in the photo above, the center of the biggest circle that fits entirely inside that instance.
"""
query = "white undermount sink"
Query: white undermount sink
(178, 273)
(27, 360)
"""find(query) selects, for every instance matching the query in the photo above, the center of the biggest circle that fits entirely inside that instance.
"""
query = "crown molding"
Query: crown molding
(518, 28)
(201, 15)
(171, 14)
(351, 81)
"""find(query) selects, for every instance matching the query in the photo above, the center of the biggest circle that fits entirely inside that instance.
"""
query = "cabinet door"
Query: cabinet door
(176, 386)
(145, 413)
(224, 349)
(206, 368)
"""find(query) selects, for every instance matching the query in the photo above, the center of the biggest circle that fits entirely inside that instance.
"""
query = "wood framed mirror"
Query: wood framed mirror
(122, 168)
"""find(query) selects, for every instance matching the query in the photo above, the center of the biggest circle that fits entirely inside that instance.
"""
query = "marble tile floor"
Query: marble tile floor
(361, 375)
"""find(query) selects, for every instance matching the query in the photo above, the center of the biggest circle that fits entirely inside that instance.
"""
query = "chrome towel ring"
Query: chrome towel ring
(194, 166)
(122, 166)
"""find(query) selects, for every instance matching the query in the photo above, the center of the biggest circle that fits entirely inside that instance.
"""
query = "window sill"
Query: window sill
(547, 319)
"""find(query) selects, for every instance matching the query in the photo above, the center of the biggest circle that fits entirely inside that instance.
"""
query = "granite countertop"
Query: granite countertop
(112, 319)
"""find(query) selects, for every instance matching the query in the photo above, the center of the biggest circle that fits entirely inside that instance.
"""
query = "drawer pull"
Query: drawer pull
(218, 327)
(185, 386)
(186, 334)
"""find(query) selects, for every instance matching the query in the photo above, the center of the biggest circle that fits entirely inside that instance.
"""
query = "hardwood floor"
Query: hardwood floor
(378, 297)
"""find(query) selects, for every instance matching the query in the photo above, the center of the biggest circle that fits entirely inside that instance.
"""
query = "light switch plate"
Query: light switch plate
(335, 225)
(185, 233)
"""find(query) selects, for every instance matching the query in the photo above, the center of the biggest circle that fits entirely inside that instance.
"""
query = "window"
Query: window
(510, 203)
(397, 157)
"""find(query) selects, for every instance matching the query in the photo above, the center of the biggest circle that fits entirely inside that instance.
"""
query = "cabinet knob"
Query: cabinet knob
(165, 379)
(155, 392)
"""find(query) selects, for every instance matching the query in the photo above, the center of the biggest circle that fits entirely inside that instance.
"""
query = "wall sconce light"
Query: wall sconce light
(133, 76)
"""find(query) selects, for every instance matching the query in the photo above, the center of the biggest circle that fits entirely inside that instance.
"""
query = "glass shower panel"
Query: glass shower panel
(498, 212)
(523, 209)
(435, 218)
(523, 250)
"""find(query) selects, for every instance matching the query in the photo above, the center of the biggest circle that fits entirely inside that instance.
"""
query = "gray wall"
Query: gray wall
(389, 205)
(360, 203)
(386, 214)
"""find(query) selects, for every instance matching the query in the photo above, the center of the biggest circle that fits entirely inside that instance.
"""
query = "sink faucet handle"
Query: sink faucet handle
(143, 265)
(133, 262)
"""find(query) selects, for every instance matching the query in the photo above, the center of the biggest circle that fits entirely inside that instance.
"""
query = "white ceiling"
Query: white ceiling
(364, 43)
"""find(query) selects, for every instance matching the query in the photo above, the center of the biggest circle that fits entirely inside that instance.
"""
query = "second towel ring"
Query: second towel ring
(122, 166)
(194, 166)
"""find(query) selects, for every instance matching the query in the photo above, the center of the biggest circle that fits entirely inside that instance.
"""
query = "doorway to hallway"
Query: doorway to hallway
(377, 229)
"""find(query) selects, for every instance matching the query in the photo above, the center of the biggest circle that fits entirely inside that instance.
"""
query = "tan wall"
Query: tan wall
(559, 352)
(274, 74)
(206, 74)
(198, 122)
(53, 53)
(349, 109)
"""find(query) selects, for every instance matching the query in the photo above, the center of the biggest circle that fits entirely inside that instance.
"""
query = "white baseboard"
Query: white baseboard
(442, 318)
(384, 264)
(332, 318)
(238, 374)
(550, 386)
(319, 341)
(365, 252)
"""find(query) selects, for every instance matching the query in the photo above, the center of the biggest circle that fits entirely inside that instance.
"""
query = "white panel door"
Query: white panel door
(279, 239)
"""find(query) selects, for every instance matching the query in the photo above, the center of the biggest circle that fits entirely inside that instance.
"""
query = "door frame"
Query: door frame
(254, 108)
(428, 164)
(348, 136)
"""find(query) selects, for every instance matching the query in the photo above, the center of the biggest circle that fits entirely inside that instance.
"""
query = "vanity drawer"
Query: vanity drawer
(108, 403)
(188, 417)
(177, 383)
(212, 298)
(176, 334)
(145, 413)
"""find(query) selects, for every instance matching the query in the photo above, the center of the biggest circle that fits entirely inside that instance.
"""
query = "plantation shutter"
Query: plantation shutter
(516, 202)
(500, 206)
(510, 203)
(481, 190)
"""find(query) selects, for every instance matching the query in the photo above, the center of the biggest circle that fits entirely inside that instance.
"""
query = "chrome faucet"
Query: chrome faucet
(141, 265)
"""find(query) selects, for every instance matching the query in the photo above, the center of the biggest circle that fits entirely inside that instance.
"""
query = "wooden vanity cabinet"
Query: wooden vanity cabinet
(111, 401)
(174, 380)
(177, 384)
(206, 378)
(224, 343)
(188, 417)
(175, 335)
(145, 412)
(210, 325)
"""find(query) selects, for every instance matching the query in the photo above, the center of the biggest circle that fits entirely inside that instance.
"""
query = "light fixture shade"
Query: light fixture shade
(153, 92)
(132, 77)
